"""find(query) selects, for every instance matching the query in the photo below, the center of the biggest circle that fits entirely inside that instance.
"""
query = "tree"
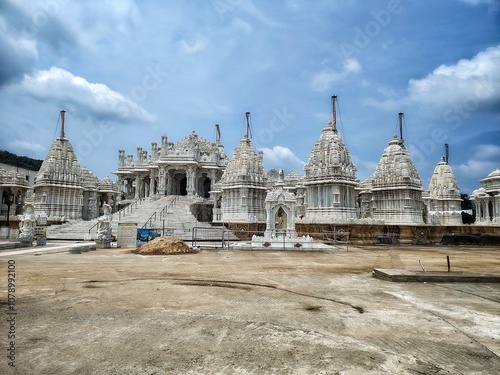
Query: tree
(468, 204)
(9, 158)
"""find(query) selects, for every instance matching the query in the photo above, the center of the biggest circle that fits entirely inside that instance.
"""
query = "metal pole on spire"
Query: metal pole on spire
(447, 152)
(249, 129)
(217, 129)
(401, 114)
(62, 124)
(334, 111)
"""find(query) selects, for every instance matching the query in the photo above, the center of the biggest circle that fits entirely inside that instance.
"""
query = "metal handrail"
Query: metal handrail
(163, 212)
(129, 207)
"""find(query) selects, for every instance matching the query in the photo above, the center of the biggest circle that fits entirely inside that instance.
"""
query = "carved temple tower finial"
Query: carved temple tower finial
(63, 112)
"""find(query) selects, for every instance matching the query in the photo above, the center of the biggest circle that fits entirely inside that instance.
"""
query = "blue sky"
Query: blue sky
(129, 71)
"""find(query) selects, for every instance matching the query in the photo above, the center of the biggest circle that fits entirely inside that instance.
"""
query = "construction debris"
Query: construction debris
(165, 246)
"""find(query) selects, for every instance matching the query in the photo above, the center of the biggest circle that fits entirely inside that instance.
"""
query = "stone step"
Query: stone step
(169, 212)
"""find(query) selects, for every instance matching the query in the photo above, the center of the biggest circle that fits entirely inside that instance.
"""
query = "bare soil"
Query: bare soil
(164, 246)
(251, 312)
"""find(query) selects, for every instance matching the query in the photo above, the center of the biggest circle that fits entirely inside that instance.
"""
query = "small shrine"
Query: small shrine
(280, 221)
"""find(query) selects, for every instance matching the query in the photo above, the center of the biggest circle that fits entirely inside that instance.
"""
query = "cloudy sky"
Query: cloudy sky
(129, 71)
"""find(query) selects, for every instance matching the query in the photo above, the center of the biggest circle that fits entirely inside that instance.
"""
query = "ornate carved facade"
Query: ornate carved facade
(393, 193)
(240, 194)
(13, 190)
(188, 167)
(443, 198)
(330, 180)
(65, 191)
(487, 199)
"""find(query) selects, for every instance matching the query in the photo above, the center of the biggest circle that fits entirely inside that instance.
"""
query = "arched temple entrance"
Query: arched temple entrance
(179, 183)
(206, 185)
(280, 219)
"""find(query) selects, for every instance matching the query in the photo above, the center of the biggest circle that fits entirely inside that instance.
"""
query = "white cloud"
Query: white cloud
(28, 146)
(323, 81)
(187, 48)
(474, 80)
(477, 2)
(486, 158)
(92, 99)
(280, 157)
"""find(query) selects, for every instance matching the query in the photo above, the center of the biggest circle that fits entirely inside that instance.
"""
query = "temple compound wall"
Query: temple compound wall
(189, 167)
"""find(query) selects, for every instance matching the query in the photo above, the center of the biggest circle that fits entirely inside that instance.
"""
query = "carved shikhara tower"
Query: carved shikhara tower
(443, 198)
(393, 193)
(240, 194)
(58, 189)
(65, 191)
(330, 178)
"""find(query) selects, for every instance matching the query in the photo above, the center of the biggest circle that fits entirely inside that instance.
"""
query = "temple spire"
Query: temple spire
(62, 124)
(334, 111)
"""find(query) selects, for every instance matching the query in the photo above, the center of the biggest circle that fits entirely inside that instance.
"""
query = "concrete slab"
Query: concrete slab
(436, 277)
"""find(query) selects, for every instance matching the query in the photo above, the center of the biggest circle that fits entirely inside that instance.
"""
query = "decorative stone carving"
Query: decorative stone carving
(64, 190)
(104, 236)
(330, 180)
(443, 198)
(487, 200)
(243, 186)
(393, 193)
(27, 226)
(187, 167)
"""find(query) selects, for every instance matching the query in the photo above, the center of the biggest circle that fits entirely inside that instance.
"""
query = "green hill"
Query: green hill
(9, 158)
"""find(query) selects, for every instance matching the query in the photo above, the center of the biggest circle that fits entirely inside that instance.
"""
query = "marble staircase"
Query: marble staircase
(169, 212)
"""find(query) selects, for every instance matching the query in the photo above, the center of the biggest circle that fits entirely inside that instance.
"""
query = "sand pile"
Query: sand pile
(164, 246)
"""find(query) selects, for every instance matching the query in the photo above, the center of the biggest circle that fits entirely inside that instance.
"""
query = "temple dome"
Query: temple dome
(395, 168)
(106, 184)
(330, 157)
(89, 181)
(245, 167)
(495, 173)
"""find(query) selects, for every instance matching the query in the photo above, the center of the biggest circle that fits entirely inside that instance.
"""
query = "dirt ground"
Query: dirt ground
(250, 312)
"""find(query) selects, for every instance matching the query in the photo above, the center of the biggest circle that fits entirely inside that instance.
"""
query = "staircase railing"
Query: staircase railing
(129, 208)
(167, 209)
